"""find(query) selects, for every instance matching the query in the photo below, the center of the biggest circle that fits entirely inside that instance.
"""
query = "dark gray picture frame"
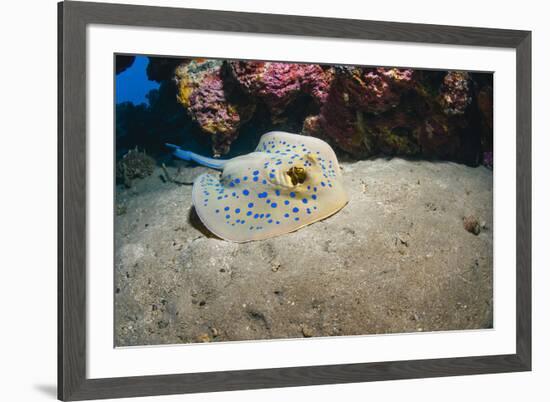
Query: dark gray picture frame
(73, 18)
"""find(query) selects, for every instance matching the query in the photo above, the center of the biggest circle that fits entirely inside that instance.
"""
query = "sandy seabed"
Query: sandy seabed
(396, 259)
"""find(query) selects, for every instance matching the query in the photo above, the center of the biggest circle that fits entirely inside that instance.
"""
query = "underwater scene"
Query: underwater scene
(265, 200)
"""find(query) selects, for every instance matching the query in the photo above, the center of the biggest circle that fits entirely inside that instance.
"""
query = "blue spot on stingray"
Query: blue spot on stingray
(268, 201)
(287, 215)
(270, 221)
(227, 216)
(314, 197)
(314, 188)
(256, 173)
(237, 180)
(238, 211)
(304, 200)
(262, 195)
(226, 209)
(323, 183)
(246, 192)
(295, 209)
(249, 213)
(274, 205)
(245, 178)
(255, 178)
(233, 194)
(308, 211)
(264, 181)
(287, 202)
(278, 223)
(268, 215)
(292, 194)
(262, 215)
(231, 184)
(256, 216)
(271, 176)
(220, 197)
(296, 219)
(277, 192)
(250, 204)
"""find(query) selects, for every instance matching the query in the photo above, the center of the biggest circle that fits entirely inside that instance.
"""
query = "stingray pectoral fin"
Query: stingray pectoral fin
(201, 160)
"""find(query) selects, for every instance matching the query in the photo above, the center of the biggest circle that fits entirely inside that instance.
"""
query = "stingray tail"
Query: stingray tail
(201, 160)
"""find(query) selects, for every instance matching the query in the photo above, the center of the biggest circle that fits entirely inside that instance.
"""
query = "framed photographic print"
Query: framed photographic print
(253, 201)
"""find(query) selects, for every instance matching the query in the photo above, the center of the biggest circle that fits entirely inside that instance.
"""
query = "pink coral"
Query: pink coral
(376, 90)
(355, 92)
(209, 107)
(278, 84)
(340, 123)
(202, 91)
(362, 111)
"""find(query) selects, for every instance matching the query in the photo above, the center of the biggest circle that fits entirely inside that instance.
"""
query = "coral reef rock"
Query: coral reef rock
(359, 110)
(134, 165)
(455, 95)
(376, 90)
(371, 111)
(202, 91)
(278, 84)
(357, 95)
(437, 138)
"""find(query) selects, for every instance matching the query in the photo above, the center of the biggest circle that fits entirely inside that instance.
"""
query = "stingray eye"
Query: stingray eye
(297, 175)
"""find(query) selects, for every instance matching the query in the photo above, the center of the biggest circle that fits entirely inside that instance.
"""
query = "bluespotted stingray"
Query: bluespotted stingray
(288, 182)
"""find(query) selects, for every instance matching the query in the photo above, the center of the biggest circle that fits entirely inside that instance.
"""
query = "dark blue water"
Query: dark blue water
(132, 85)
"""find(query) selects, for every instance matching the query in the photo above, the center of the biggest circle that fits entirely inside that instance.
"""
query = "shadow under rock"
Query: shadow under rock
(195, 221)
